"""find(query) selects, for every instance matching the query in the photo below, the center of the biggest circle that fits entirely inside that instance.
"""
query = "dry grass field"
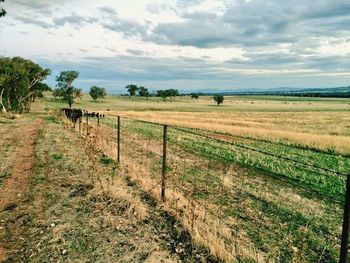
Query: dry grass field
(318, 123)
(242, 205)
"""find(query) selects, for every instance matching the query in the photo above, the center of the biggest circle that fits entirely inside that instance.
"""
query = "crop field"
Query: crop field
(258, 179)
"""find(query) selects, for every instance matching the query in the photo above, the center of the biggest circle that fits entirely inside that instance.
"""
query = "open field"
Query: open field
(271, 210)
(316, 123)
(229, 179)
(242, 205)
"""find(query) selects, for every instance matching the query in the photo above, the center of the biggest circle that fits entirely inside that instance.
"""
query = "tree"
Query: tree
(172, 93)
(39, 92)
(219, 99)
(20, 83)
(194, 96)
(132, 89)
(64, 83)
(2, 10)
(143, 92)
(97, 92)
(163, 94)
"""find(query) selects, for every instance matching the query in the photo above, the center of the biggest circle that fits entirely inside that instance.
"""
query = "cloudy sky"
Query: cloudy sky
(184, 44)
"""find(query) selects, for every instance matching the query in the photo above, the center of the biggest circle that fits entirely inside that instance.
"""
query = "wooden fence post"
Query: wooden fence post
(162, 193)
(118, 139)
(80, 124)
(87, 123)
(346, 218)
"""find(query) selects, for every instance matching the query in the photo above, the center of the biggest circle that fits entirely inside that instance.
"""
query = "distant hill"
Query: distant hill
(338, 92)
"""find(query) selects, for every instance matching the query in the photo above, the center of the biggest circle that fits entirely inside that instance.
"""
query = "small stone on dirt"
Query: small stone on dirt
(52, 225)
(64, 252)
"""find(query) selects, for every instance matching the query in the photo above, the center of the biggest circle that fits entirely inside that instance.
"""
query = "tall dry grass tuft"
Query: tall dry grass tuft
(98, 143)
(206, 228)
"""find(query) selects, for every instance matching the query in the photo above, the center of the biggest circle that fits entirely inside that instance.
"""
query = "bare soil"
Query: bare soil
(17, 185)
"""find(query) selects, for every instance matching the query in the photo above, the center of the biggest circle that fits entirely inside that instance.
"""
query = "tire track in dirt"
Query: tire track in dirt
(18, 184)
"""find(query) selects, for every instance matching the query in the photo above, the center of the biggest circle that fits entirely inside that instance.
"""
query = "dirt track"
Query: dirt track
(18, 184)
(54, 212)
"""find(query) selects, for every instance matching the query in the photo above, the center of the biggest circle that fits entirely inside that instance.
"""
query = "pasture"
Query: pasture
(230, 180)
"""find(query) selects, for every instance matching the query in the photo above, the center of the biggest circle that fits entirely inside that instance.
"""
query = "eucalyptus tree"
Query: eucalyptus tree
(143, 92)
(65, 88)
(20, 82)
(97, 92)
(132, 89)
(219, 99)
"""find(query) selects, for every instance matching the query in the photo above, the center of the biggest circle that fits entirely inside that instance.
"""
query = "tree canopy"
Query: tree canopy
(97, 92)
(20, 83)
(65, 89)
(132, 89)
(219, 99)
(194, 95)
(143, 92)
(164, 94)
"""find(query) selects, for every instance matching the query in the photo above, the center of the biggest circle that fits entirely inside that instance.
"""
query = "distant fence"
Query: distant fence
(217, 186)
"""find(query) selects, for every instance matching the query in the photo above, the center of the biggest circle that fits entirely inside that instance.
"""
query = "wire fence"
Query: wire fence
(240, 201)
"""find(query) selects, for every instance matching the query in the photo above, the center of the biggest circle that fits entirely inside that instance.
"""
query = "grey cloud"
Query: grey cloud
(135, 52)
(73, 19)
(32, 21)
(126, 27)
(34, 4)
(108, 10)
(116, 72)
(257, 23)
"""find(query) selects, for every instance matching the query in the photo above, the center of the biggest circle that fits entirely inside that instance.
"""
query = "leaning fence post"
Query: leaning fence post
(118, 139)
(162, 193)
(346, 218)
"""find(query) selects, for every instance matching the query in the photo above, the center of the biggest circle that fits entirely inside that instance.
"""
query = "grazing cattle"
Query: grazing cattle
(94, 114)
(72, 114)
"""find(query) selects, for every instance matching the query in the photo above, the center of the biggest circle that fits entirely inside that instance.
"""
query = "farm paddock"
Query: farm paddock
(266, 210)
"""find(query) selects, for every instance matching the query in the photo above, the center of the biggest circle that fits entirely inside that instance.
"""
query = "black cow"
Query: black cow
(72, 114)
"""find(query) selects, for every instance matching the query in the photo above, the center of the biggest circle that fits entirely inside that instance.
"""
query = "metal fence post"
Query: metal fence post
(346, 218)
(118, 139)
(162, 193)
(80, 124)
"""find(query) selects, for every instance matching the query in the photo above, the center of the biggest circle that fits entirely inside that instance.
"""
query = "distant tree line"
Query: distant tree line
(20, 83)
(134, 90)
(321, 95)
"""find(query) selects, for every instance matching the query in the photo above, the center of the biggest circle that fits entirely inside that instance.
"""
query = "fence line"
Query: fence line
(162, 182)
(190, 131)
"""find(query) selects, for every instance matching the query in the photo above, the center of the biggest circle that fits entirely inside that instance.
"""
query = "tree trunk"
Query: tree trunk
(3, 109)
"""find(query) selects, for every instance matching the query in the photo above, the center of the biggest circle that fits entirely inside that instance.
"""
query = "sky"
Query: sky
(184, 44)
